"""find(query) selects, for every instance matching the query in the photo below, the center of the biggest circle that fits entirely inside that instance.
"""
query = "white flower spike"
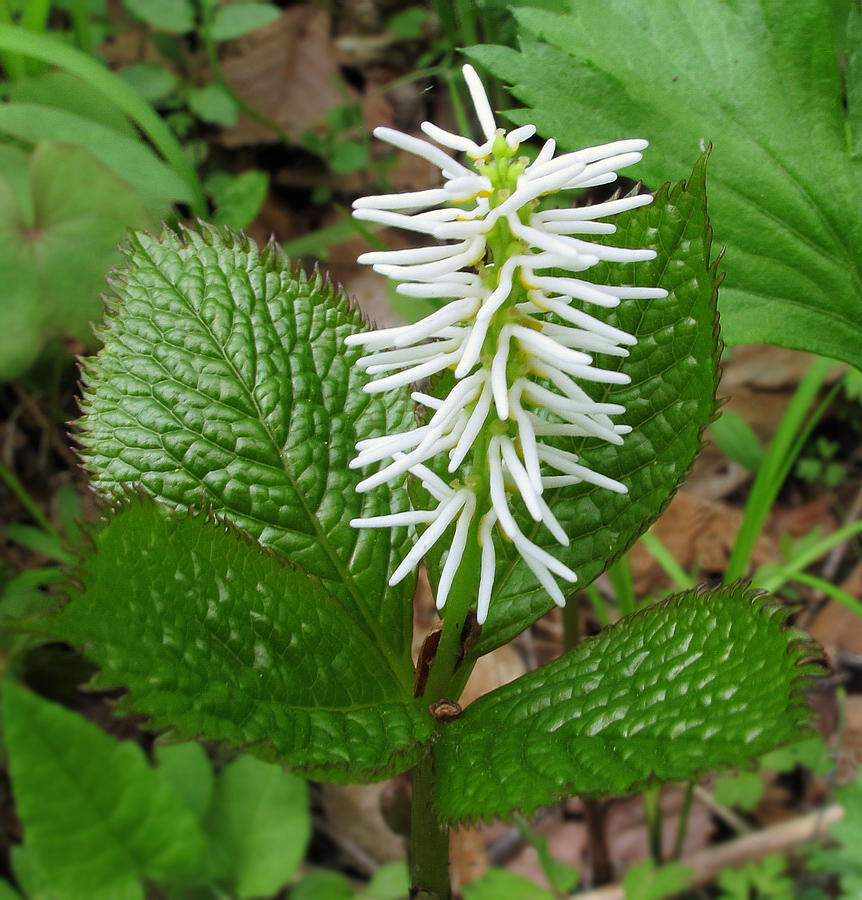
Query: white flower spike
(513, 334)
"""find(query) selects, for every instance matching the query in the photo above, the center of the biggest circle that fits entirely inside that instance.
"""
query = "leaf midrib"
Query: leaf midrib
(367, 624)
(846, 260)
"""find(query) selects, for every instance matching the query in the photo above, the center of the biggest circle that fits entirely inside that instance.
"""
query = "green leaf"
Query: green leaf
(390, 882)
(502, 884)
(349, 156)
(737, 441)
(260, 825)
(697, 683)
(7, 892)
(322, 885)
(152, 81)
(234, 21)
(39, 541)
(216, 639)
(154, 181)
(670, 399)
(743, 791)
(175, 16)
(844, 859)
(213, 104)
(238, 198)
(225, 382)
(647, 881)
(812, 753)
(107, 820)
(187, 769)
(408, 24)
(53, 268)
(765, 88)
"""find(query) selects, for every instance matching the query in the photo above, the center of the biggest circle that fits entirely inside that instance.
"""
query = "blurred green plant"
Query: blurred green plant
(112, 822)
(75, 173)
(765, 879)
(778, 96)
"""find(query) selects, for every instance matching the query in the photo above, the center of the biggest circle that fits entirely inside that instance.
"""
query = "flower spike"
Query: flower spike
(516, 334)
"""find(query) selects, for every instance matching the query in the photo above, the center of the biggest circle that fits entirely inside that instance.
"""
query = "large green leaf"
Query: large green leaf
(763, 83)
(97, 818)
(260, 826)
(216, 638)
(700, 682)
(225, 381)
(153, 180)
(58, 237)
(670, 400)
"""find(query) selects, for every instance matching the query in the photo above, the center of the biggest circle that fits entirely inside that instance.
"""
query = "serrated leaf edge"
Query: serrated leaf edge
(810, 664)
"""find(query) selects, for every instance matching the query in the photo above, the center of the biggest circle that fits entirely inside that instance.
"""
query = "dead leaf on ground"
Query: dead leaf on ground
(698, 533)
(355, 820)
(289, 72)
(835, 626)
(468, 857)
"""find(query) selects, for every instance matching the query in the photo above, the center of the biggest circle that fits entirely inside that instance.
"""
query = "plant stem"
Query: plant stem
(595, 821)
(81, 25)
(652, 814)
(429, 840)
(572, 624)
(679, 840)
(461, 597)
(593, 813)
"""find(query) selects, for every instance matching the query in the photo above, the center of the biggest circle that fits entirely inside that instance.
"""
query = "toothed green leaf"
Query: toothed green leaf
(701, 682)
(776, 93)
(225, 382)
(97, 818)
(671, 398)
(216, 639)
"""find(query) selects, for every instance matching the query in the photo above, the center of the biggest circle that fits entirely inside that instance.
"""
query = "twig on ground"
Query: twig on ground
(706, 865)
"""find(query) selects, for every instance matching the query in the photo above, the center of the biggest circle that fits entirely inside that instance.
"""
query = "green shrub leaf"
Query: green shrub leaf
(766, 89)
(174, 16)
(670, 400)
(224, 381)
(230, 22)
(97, 818)
(701, 682)
(215, 638)
(259, 825)
(56, 244)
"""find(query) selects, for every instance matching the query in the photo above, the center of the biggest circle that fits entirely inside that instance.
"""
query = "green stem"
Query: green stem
(429, 840)
(81, 25)
(652, 814)
(116, 91)
(622, 581)
(679, 840)
(572, 624)
(462, 596)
